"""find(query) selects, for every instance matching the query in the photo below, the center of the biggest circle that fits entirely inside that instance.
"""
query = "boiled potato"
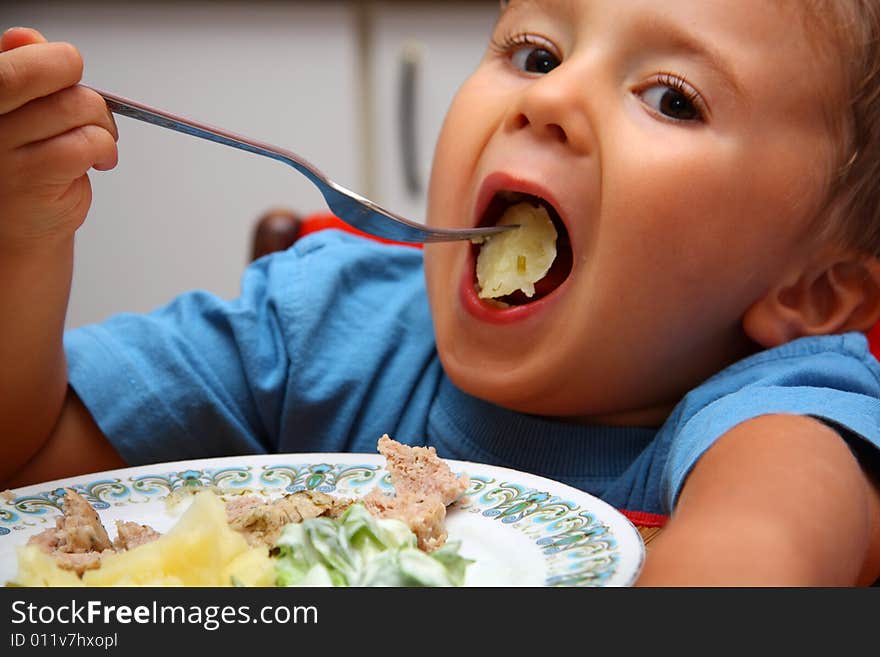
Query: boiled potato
(517, 259)
(199, 550)
(36, 568)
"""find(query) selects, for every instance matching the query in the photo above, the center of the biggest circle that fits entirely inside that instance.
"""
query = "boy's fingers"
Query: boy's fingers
(36, 70)
(69, 156)
(53, 115)
(16, 37)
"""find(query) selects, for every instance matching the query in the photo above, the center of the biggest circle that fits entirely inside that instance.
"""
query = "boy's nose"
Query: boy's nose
(553, 106)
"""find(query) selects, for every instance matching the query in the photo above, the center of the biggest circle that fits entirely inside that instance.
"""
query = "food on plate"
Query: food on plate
(384, 539)
(131, 534)
(423, 487)
(359, 549)
(201, 549)
(306, 537)
(260, 521)
(78, 541)
(517, 259)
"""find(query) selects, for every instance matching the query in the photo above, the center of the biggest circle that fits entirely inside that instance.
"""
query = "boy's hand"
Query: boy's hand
(51, 133)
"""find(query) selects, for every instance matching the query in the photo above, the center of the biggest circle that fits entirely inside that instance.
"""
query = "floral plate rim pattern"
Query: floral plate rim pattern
(582, 540)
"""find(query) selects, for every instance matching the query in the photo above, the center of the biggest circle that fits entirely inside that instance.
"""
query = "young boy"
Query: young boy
(696, 350)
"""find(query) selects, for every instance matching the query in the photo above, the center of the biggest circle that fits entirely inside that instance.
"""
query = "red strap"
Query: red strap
(644, 519)
(874, 341)
(324, 220)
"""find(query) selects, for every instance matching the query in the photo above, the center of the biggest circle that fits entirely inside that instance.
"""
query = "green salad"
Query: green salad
(357, 549)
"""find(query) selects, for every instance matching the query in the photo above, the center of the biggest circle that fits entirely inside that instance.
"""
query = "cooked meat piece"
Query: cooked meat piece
(425, 516)
(46, 540)
(78, 530)
(79, 562)
(312, 504)
(131, 534)
(261, 521)
(419, 470)
(240, 506)
(81, 529)
(424, 485)
(78, 540)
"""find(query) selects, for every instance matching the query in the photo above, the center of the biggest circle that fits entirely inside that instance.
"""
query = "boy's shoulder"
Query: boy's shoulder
(332, 264)
(334, 282)
(805, 376)
(833, 378)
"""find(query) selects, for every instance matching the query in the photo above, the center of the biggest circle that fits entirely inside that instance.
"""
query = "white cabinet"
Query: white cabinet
(177, 212)
(321, 78)
(425, 49)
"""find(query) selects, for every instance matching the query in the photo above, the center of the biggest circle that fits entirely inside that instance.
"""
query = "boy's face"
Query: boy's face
(684, 145)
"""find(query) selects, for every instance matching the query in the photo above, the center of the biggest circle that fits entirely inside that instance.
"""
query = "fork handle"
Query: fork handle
(136, 110)
(354, 209)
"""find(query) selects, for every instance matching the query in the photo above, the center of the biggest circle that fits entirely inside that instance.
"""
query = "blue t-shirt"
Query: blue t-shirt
(331, 345)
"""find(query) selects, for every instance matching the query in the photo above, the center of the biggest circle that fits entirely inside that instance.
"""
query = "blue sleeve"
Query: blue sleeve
(832, 378)
(312, 355)
(201, 361)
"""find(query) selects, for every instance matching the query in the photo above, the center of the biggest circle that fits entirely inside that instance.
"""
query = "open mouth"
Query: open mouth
(559, 269)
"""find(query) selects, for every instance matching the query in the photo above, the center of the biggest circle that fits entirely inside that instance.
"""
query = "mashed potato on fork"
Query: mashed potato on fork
(517, 259)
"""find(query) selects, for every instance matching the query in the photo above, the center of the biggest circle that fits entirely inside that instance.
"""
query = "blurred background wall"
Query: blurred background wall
(357, 88)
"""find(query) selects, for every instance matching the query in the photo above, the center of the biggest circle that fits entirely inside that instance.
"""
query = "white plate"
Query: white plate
(521, 530)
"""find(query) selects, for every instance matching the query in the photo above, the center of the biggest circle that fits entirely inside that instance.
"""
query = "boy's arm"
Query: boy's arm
(778, 501)
(75, 446)
(51, 133)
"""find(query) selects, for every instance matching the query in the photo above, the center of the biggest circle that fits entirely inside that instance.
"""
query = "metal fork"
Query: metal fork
(354, 209)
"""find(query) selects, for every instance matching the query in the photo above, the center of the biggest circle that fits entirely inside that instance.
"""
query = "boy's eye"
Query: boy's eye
(673, 101)
(534, 59)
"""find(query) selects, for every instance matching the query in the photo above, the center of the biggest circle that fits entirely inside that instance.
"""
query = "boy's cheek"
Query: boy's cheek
(472, 119)
(440, 273)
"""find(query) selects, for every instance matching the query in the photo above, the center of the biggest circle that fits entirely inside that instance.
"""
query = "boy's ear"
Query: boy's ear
(842, 296)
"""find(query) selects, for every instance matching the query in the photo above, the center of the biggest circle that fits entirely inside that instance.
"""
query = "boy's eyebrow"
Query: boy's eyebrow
(684, 41)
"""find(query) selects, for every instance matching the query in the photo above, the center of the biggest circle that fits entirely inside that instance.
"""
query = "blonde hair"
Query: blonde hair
(853, 200)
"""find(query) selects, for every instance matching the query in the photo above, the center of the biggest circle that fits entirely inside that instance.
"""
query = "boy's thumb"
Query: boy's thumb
(15, 37)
